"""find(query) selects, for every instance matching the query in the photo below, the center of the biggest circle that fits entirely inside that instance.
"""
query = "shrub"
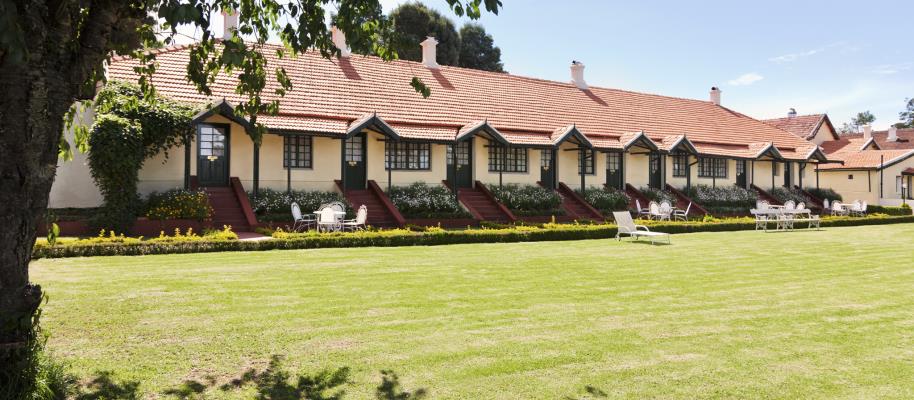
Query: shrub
(825, 193)
(658, 195)
(606, 200)
(528, 199)
(727, 199)
(419, 200)
(787, 194)
(276, 205)
(29, 371)
(904, 209)
(179, 204)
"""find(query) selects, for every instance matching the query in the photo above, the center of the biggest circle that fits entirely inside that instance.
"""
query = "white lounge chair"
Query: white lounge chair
(359, 222)
(300, 220)
(682, 215)
(626, 226)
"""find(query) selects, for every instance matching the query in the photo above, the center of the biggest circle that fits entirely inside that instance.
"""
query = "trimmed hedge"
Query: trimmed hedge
(896, 211)
(403, 237)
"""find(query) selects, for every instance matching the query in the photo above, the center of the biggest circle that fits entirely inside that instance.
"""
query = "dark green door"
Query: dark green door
(788, 174)
(655, 172)
(354, 162)
(547, 168)
(212, 155)
(614, 170)
(741, 173)
(460, 165)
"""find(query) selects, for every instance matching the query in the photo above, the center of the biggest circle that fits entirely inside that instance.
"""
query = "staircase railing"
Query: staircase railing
(815, 202)
(765, 195)
(243, 200)
(567, 191)
(385, 201)
(686, 199)
(482, 188)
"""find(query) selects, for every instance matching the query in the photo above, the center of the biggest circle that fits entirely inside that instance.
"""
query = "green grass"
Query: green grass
(826, 314)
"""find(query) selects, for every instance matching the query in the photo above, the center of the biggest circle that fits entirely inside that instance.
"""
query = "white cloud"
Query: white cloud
(787, 58)
(746, 79)
(889, 69)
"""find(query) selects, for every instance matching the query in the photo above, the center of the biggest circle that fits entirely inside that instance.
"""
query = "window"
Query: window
(776, 168)
(212, 140)
(407, 155)
(850, 177)
(740, 167)
(680, 165)
(898, 183)
(712, 168)
(354, 149)
(297, 151)
(613, 162)
(546, 159)
(589, 156)
(463, 154)
(517, 159)
(802, 170)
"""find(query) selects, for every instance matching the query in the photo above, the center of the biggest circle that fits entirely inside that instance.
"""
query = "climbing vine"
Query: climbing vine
(128, 129)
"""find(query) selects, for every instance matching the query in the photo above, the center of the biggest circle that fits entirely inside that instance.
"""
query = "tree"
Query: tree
(478, 50)
(413, 22)
(857, 122)
(907, 116)
(51, 55)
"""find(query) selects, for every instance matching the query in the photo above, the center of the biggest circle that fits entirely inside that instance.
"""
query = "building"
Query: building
(355, 123)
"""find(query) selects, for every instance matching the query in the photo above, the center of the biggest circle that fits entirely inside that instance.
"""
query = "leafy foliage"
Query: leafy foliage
(723, 199)
(857, 122)
(658, 195)
(179, 204)
(29, 372)
(128, 129)
(413, 22)
(606, 199)
(787, 194)
(420, 200)
(478, 50)
(825, 193)
(275, 205)
(907, 116)
(528, 199)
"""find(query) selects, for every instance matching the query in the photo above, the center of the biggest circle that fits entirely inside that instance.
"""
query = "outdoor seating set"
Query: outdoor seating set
(329, 217)
(856, 209)
(662, 211)
(784, 216)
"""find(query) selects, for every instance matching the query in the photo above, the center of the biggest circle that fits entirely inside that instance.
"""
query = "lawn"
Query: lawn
(826, 314)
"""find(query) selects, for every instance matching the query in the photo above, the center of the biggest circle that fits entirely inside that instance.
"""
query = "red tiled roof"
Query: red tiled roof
(905, 136)
(908, 171)
(869, 159)
(328, 91)
(804, 126)
(847, 144)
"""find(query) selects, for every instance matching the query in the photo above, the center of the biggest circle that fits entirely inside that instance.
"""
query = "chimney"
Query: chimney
(339, 40)
(867, 132)
(792, 113)
(893, 134)
(715, 95)
(577, 75)
(430, 53)
(229, 24)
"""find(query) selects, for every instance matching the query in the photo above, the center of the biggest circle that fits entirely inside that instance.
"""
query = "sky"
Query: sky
(836, 57)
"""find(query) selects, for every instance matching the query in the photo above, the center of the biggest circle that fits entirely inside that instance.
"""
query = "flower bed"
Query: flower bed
(788, 194)
(658, 195)
(825, 194)
(528, 200)
(605, 200)
(422, 201)
(274, 205)
(723, 200)
(405, 237)
(179, 204)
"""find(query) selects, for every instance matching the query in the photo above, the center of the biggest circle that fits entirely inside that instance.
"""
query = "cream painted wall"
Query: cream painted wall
(864, 186)
(377, 172)
(636, 168)
(824, 134)
(568, 165)
(481, 166)
(73, 184)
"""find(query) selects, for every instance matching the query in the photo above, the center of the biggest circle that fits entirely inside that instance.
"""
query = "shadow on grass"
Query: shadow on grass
(104, 387)
(277, 383)
(592, 392)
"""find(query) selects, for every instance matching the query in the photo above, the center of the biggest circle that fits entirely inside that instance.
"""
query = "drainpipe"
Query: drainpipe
(187, 144)
(817, 176)
(343, 163)
(583, 171)
(773, 163)
(390, 166)
(256, 169)
(454, 166)
(504, 163)
(881, 176)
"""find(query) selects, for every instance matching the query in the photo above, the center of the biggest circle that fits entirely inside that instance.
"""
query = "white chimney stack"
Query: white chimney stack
(715, 95)
(893, 134)
(339, 40)
(792, 113)
(430, 53)
(577, 75)
(867, 132)
(229, 24)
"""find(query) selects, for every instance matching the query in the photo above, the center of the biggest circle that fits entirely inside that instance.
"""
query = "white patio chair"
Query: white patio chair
(761, 221)
(666, 211)
(642, 212)
(682, 215)
(855, 209)
(327, 220)
(653, 210)
(784, 222)
(762, 205)
(863, 208)
(300, 220)
(801, 206)
(825, 205)
(626, 226)
(359, 222)
(790, 205)
(837, 209)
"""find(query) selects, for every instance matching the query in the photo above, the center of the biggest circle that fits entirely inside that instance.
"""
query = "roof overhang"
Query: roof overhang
(224, 109)
(481, 128)
(640, 140)
(683, 145)
(570, 134)
(769, 151)
(817, 155)
(908, 172)
(374, 123)
(897, 160)
(870, 142)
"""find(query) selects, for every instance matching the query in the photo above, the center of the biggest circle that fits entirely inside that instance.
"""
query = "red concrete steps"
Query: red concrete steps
(575, 205)
(682, 201)
(635, 194)
(482, 204)
(227, 209)
(764, 195)
(381, 212)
